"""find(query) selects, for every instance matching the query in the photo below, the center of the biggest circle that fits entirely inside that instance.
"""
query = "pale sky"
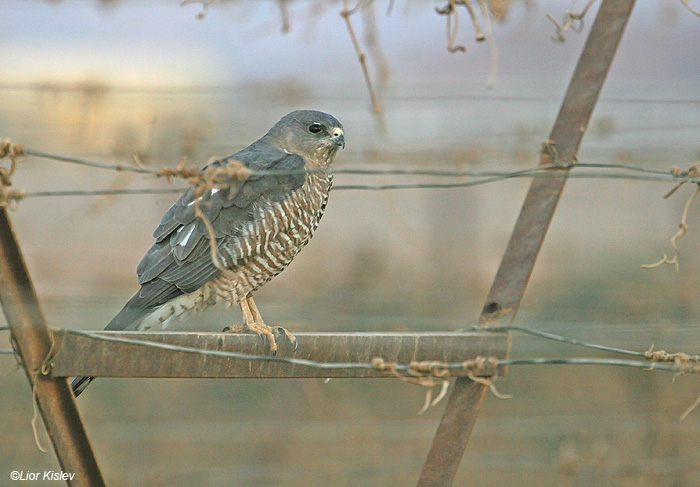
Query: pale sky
(161, 43)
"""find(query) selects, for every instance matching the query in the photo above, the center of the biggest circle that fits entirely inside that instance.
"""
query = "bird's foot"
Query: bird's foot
(265, 333)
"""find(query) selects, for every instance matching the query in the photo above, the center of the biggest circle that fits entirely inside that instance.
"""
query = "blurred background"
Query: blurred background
(107, 80)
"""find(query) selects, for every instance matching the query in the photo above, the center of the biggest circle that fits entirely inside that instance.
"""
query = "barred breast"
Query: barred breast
(271, 240)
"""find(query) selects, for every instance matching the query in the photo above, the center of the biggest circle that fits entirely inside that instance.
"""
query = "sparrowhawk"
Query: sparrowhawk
(259, 224)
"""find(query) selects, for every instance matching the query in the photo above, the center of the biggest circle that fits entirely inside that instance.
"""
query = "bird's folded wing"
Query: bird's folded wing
(181, 255)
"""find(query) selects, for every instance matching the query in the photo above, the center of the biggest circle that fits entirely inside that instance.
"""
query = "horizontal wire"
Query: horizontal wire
(86, 162)
(668, 178)
(101, 192)
(386, 187)
(272, 172)
(640, 364)
(485, 177)
(558, 338)
(355, 171)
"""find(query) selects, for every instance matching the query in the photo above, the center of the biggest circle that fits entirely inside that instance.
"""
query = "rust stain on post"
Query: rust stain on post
(82, 355)
(530, 230)
(33, 341)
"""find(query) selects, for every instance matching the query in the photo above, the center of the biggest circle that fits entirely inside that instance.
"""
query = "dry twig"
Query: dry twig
(361, 56)
(491, 40)
(686, 4)
(452, 25)
(284, 12)
(572, 21)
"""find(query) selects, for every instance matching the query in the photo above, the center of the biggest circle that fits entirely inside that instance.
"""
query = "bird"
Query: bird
(222, 242)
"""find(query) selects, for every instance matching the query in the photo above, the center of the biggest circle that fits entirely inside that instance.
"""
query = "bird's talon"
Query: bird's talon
(292, 339)
(284, 333)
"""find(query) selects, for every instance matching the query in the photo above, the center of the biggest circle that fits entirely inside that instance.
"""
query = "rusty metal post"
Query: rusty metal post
(530, 229)
(33, 343)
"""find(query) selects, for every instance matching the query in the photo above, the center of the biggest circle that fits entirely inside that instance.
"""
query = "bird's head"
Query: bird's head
(316, 136)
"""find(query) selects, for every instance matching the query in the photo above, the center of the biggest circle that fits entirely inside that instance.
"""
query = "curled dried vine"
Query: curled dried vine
(433, 373)
(572, 21)
(692, 172)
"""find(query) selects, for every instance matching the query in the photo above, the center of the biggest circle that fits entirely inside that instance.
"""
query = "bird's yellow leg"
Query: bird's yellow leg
(258, 319)
(254, 309)
(252, 325)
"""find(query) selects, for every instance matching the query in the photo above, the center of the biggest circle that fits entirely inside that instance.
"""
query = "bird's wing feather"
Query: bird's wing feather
(180, 259)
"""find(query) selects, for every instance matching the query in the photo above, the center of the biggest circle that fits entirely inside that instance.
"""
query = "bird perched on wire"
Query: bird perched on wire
(224, 239)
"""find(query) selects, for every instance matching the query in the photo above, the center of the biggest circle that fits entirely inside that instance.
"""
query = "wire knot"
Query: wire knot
(181, 171)
(549, 148)
(9, 197)
(432, 368)
(383, 366)
(8, 148)
(480, 364)
(678, 358)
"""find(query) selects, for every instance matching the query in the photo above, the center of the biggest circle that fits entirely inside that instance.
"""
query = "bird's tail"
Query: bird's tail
(129, 317)
(80, 383)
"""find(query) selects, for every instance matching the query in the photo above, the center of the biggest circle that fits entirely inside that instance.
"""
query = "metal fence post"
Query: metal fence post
(530, 229)
(33, 343)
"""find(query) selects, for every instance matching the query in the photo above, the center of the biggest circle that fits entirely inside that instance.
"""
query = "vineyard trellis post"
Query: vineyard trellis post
(530, 229)
(34, 345)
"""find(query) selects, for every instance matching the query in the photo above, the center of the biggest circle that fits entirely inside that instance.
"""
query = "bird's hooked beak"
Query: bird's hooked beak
(338, 137)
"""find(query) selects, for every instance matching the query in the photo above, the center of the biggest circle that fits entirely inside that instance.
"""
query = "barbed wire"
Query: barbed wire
(355, 171)
(535, 173)
(182, 171)
(173, 172)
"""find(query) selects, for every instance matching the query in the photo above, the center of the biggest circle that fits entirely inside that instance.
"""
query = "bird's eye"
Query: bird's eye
(315, 128)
